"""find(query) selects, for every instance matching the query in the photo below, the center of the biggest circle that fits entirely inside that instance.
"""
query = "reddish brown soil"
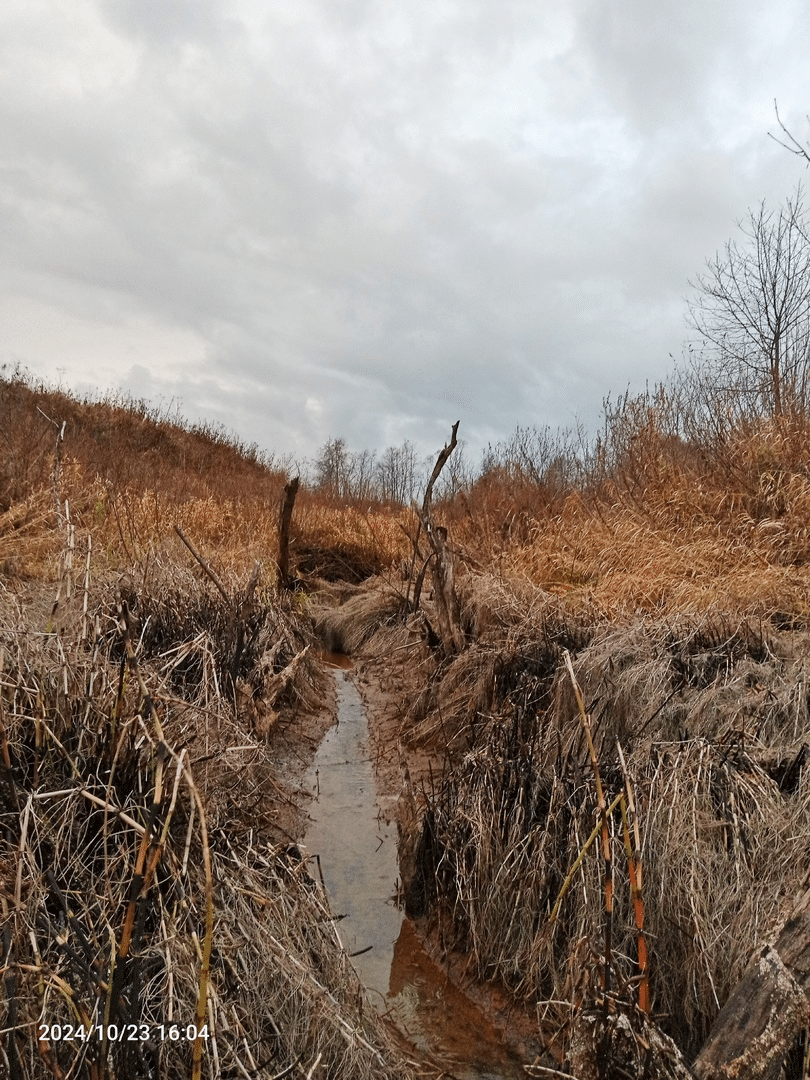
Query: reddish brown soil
(295, 741)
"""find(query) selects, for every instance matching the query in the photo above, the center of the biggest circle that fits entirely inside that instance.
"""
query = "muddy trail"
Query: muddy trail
(352, 837)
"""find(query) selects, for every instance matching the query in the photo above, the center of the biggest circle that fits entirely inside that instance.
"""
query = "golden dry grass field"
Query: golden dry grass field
(665, 579)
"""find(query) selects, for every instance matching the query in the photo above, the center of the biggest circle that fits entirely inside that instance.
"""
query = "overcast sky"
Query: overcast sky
(370, 218)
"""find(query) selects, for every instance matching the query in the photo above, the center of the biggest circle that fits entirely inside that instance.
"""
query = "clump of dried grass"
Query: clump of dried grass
(623, 563)
(342, 542)
(711, 716)
(676, 528)
(28, 541)
(348, 626)
(496, 613)
(142, 878)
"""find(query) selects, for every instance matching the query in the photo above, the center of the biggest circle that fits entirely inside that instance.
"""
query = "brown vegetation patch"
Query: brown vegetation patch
(703, 714)
(146, 876)
(348, 625)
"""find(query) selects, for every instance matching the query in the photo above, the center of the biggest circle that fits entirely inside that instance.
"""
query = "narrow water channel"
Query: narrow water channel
(357, 853)
(356, 849)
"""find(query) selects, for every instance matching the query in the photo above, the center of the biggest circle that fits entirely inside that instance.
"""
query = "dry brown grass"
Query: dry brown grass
(676, 575)
(128, 474)
(340, 542)
(99, 924)
(112, 806)
(348, 625)
(712, 716)
(687, 554)
(657, 525)
(678, 579)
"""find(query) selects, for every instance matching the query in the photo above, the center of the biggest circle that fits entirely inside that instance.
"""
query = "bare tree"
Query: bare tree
(342, 474)
(334, 469)
(362, 476)
(752, 312)
(397, 473)
(548, 459)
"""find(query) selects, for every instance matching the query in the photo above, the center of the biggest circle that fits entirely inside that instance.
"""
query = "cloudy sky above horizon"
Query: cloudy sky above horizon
(362, 218)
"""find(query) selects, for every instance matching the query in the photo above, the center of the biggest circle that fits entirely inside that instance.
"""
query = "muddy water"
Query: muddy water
(356, 850)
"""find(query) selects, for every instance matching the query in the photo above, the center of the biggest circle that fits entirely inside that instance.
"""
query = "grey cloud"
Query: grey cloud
(165, 23)
(375, 219)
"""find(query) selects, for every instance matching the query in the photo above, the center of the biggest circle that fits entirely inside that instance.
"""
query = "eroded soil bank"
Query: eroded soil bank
(404, 770)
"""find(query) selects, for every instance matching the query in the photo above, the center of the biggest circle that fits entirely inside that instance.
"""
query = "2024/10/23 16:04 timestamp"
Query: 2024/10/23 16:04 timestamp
(122, 1032)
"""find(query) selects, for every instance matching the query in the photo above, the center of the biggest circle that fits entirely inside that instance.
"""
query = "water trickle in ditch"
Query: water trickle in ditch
(357, 852)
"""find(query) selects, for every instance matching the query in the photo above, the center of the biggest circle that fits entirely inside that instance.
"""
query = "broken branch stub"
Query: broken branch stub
(448, 611)
(240, 608)
(766, 1011)
(284, 522)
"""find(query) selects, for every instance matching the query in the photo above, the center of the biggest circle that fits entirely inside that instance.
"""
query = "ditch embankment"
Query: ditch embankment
(352, 833)
(155, 737)
(692, 729)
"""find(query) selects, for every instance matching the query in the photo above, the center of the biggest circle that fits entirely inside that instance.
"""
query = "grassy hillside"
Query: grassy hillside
(127, 475)
(150, 880)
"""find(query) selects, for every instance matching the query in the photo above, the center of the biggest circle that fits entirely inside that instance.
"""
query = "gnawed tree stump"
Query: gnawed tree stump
(752, 1036)
(258, 707)
(622, 1043)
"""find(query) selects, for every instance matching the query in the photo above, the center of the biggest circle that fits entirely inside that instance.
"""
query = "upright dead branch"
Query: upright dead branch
(607, 856)
(284, 522)
(57, 463)
(447, 605)
(441, 461)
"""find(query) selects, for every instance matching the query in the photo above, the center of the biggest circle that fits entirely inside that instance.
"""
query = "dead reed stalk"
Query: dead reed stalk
(154, 921)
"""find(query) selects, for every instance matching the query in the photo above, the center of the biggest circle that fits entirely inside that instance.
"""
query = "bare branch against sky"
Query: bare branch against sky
(363, 219)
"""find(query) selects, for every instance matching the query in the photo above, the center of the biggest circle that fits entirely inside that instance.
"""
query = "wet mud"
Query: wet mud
(352, 839)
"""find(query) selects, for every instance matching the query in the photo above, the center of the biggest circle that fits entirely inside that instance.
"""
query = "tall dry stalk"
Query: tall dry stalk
(601, 803)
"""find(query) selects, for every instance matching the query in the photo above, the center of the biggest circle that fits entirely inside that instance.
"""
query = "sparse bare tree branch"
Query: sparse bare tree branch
(752, 312)
(793, 146)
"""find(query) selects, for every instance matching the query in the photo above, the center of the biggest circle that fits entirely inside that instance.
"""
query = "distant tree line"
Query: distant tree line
(748, 365)
(398, 475)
